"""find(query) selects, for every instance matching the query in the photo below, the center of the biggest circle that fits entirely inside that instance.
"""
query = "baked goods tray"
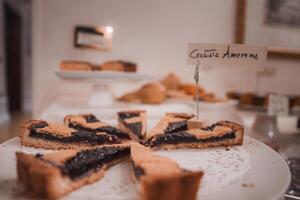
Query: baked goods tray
(293, 111)
(240, 172)
(101, 80)
(206, 105)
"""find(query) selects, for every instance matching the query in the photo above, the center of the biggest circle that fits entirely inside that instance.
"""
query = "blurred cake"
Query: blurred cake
(171, 82)
(170, 87)
(76, 66)
(150, 93)
(118, 65)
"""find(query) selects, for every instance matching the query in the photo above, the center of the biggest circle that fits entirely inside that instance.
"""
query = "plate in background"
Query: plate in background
(102, 76)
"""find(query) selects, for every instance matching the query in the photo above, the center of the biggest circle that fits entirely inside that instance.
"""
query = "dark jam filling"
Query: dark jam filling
(136, 128)
(114, 131)
(41, 124)
(184, 137)
(125, 115)
(176, 127)
(137, 170)
(91, 118)
(92, 160)
(87, 161)
(77, 137)
(128, 64)
(107, 129)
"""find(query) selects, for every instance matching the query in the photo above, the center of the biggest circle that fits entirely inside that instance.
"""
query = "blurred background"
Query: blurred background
(60, 57)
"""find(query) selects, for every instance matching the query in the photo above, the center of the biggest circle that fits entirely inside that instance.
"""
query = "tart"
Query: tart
(222, 133)
(41, 134)
(89, 122)
(134, 123)
(161, 177)
(171, 122)
(56, 174)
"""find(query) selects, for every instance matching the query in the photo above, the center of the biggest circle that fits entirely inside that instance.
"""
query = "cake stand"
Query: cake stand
(101, 80)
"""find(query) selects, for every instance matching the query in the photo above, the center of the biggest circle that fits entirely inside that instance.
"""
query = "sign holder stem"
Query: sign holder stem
(196, 77)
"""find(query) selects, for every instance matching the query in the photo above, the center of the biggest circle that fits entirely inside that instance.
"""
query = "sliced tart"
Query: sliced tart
(89, 122)
(171, 122)
(56, 174)
(41, 134)
(222, 133)
(134, 123)
(161, 177)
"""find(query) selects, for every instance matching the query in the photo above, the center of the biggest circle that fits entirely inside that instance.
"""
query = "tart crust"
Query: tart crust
(162, 177)
(60, 131)
(222, 133)
(168, 119)
(133, 117)
(81, 122)
(42, 178)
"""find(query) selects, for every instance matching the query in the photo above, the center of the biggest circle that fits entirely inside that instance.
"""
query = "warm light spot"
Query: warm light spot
(109, 29)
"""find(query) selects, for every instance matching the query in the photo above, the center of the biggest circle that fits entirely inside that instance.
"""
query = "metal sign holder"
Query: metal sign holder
(196, 77)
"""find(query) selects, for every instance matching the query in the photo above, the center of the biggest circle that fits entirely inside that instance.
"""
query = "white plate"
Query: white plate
(268, 178)
(101, 75)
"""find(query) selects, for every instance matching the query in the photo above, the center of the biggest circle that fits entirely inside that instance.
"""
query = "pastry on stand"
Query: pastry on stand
(150, 93)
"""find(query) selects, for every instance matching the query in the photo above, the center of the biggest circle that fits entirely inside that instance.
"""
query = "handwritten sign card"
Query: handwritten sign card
(251, 56)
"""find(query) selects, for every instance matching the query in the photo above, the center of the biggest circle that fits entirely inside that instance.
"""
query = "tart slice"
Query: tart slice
(161, 177)
(56, 174)
(134, 123)
(171, 122)
(222, 133)
(41, 134)
(89, 122)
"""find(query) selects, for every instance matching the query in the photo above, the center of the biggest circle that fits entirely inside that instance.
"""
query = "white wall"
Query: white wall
(153, 33)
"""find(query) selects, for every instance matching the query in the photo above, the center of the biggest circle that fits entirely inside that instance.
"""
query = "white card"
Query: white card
(243, 56)
(278, 105)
